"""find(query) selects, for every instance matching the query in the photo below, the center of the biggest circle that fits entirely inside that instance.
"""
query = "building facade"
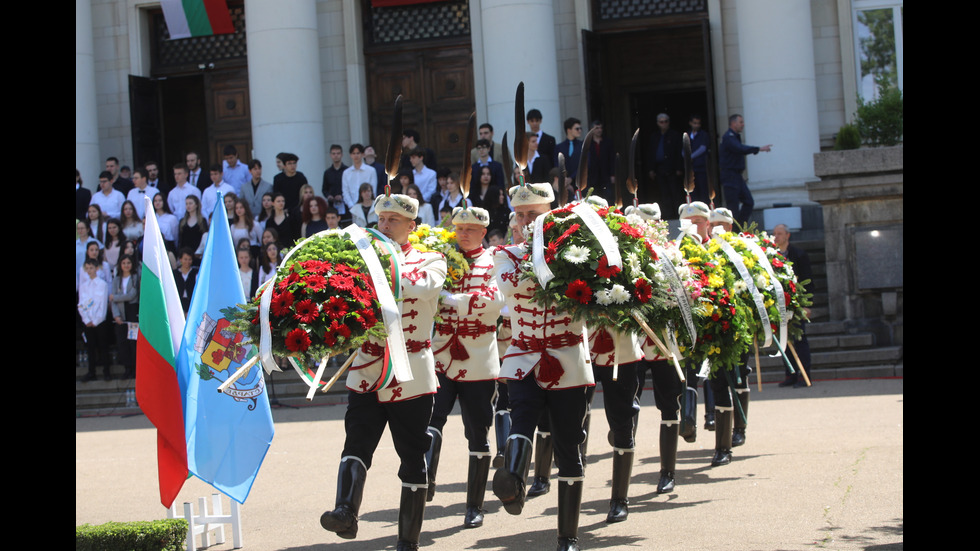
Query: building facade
(300, 75)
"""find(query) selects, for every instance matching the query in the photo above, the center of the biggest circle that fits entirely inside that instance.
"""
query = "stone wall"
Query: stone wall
(861, 192)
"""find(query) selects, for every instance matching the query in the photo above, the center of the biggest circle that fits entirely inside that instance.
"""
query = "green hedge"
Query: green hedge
(157, 535)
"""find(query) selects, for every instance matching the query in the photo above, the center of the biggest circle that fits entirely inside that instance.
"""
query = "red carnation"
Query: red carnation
(315, 283)
(306, 311)
(550, 252)
(341, 282)
(297, 340)
(630, 231)
(281, 304)
(335, 308)
(368, 318)
(644, 292)
(340, 328)
(605, 270)
(580, 291)
(777, 263)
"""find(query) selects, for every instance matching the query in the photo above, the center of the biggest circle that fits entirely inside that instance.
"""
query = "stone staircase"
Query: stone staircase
(837, 353)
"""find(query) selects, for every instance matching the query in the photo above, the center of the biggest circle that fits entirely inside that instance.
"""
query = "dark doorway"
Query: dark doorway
(633, 75)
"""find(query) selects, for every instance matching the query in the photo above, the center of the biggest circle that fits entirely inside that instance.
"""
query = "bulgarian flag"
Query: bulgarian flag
(187, 18)
(157, 390)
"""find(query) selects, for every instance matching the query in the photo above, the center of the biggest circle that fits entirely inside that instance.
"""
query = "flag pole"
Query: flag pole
(799, 363)
(758, 366)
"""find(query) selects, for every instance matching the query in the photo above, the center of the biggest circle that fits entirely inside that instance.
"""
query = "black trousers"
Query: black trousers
(619, 400)
(365, 423)
(566, 409)
(667, 387)
(475, 406)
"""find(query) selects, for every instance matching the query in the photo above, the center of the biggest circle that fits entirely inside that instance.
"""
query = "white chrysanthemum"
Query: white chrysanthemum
(634, 219)
(619, 294)
(633, 262)
(603, 297)
(740, 287)
(761, 281)
(566, 219)
(576, 254)
(683, 272)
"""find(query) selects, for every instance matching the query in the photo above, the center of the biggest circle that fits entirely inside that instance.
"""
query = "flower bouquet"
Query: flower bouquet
(590, 262)
(324, 301)
(725, 332)
(754, 285)
(428, 238)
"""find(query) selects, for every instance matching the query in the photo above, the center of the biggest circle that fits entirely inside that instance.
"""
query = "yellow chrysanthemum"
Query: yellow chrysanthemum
(715, 281)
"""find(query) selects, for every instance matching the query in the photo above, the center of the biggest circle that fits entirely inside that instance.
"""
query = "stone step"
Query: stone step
(888, 355)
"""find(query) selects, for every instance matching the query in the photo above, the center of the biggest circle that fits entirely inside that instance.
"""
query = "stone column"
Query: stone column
(87, 158)
(779, 97)
(284, 84)
(519, 45)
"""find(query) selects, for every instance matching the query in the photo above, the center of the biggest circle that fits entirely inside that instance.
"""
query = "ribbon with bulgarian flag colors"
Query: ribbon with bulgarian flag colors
(187, 18)
(157, 389)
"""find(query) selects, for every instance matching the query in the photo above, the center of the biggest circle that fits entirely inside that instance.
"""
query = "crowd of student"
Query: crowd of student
(265, 218)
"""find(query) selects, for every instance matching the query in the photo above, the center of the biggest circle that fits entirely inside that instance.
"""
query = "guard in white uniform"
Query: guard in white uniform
(404, 406)
(548, 369)
(467, 361)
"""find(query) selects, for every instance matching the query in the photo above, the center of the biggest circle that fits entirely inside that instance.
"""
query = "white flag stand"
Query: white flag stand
(204, 523)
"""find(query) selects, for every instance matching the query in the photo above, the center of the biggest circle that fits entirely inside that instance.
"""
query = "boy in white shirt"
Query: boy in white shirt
(93, 302)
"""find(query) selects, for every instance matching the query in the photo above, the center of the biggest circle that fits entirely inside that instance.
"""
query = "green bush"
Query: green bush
(880, 120)
(848, 137)
(157, 535)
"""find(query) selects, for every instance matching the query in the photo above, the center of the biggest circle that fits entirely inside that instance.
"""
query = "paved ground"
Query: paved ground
(822, 468)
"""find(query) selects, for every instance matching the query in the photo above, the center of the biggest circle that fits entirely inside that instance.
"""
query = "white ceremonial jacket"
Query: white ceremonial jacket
(614, 347)
(544, 341)
(465, 342)
(421, 281)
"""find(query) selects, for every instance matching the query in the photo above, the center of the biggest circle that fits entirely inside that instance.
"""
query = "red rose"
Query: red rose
(306, 311)
(580, 291)
(297, 340)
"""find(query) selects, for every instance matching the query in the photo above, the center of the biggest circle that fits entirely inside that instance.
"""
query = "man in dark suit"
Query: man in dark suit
(571, 148)
(410, 142)
(602, 164)
(666, 166)
(82, 197)
(117, 181)
(546, 142)
(700, 148)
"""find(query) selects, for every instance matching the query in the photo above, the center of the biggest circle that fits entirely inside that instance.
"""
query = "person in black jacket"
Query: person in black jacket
(666, 166)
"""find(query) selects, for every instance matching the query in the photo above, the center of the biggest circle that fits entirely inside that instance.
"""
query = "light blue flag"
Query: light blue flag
(229, 433)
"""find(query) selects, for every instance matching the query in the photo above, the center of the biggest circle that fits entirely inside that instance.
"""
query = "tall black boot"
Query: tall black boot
(689, 415)
(622, 470)
(723, 438)
(543, 452)
(410, 513)
(668, 457)
(569, 505)
(476, 488)
(350, 490)
(432, 461)
(501, 426)
(508, 481)
(740, 419)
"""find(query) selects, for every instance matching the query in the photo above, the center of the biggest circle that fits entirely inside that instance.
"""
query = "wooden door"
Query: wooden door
(436, 85)
(229, 118)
